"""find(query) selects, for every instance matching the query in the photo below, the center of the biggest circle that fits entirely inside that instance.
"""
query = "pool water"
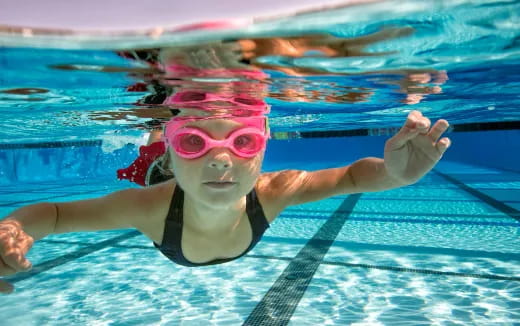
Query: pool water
(444, 251)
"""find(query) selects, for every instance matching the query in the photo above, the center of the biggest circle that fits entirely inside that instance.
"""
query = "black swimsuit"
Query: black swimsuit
(171, 244)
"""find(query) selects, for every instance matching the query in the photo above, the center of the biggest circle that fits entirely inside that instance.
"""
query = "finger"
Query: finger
(400, 139)
(14, 232)
(5, 287)
(423, 124)
(14, 256)
(407, 132)
(443, 144)
(412, 119)
(24, 246)
(25, 243)
(438, 129)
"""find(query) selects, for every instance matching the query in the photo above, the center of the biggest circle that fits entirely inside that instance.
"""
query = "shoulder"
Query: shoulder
(141, 204)
(274, 190)
(274, 182)
(144, 208)
(294, 187)
(153, 202)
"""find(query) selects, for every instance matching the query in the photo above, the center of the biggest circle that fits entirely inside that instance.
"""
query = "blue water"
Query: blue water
(444, 251)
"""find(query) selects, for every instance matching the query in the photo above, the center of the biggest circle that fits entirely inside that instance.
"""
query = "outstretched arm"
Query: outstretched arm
(123, 209)
(409, 155)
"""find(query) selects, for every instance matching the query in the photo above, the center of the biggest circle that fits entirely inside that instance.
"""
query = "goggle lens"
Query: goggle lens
(190, 143)
(248, 144)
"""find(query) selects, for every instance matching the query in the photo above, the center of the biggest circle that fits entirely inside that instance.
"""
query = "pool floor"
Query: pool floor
(445, 251)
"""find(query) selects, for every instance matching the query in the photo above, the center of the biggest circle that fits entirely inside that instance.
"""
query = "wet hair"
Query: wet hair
(159, 94)
(160, 170)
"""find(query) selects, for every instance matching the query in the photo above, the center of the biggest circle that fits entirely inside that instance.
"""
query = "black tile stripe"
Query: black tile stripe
(409, 249)
(322, 214)
(412, 221)
(418, 200)
(31, 191)
(61, 260)
(506, 209)
(334, 133)
(402, 269)
(280, 301)
(366, 266)
(82, 243)
(55, 144)
(360, 246)
(69, 187)
(44, 187)
(388, 131)
(37, 200)
(485, 126)
(427, 271)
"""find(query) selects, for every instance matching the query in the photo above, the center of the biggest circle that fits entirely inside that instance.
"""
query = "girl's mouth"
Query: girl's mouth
(220, 185)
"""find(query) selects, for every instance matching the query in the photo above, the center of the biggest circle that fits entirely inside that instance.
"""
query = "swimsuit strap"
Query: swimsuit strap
(256, 216)
(171, 243)
(176, 205)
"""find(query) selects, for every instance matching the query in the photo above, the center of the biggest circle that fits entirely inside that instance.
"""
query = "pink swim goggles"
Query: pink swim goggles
(192, 142)
(199, 98)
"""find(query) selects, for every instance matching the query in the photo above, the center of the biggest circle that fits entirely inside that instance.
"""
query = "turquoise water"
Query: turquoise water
(439, 252)
(444, 251)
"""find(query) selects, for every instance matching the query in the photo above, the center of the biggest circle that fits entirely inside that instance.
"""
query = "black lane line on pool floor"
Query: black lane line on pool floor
(506, 209)
(61, 260)
(321, 214)
(279, 303)
(350, 265)
(48, 187)
(403, 269)
(43, 199)
(412, 220)
(505, 257)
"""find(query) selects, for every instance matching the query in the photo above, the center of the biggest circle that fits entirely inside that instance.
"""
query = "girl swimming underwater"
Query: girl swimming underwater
(219, 204)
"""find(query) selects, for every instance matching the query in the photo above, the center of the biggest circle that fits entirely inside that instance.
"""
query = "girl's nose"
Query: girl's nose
(220, 159)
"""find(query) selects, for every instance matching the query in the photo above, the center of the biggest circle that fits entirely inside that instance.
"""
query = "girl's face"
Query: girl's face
(217, 165)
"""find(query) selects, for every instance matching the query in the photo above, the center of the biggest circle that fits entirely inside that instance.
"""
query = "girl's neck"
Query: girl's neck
(208, 219)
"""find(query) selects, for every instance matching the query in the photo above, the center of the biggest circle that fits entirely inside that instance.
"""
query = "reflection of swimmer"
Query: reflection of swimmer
(244, 54)
(219, 204)
(241, 57)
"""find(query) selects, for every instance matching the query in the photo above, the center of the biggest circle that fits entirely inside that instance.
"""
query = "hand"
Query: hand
(416, 85)
(14, 245)
(416, 148)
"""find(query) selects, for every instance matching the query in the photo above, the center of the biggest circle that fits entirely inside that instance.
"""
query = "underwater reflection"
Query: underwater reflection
(255, 59)
(230, 78)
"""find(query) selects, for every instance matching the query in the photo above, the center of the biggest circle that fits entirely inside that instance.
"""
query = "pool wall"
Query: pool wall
(55, 161)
